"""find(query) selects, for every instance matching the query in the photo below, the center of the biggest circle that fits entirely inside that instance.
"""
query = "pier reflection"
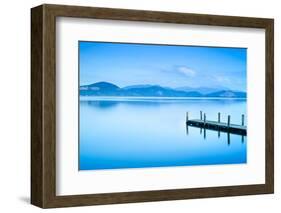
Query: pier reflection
(205, 131)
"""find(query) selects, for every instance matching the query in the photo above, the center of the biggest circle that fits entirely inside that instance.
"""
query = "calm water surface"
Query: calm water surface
(120, 133)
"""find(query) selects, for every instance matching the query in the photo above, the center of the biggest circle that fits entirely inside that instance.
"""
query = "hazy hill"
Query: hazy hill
(100, 89)
(109, 89)
(202, 90)
(228, 94)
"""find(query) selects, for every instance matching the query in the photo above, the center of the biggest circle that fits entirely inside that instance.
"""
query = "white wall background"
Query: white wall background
(15, 105)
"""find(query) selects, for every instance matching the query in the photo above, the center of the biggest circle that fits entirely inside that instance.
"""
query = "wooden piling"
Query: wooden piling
(243, 117)
(204, 118)
(228, 120)
(186, 116)
(201, 115)
(219, 117)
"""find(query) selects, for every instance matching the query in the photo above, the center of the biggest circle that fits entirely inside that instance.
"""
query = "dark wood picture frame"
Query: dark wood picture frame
(43, 105)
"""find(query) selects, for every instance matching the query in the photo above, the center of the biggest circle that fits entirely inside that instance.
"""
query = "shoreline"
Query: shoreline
(132, 98)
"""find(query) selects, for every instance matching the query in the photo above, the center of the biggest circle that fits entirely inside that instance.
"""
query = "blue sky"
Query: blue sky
(165, 65)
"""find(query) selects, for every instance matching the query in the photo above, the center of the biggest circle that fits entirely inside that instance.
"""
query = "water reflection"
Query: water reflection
(152, 102)
(228, 138)
(101, 104)
(138, 133)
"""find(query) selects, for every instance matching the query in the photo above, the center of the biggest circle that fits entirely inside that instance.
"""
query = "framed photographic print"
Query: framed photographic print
(136, 106)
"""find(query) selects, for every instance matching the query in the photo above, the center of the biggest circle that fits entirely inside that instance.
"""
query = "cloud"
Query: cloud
(186, 71)
(180, 71)
(222, 79)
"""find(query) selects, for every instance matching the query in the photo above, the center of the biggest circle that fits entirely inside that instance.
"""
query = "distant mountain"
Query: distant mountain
(144, 86)
(109, 89)
(100, 88)
(101, 85)
(138, 86)
(228, 94)
(158, 91)
(202, 90)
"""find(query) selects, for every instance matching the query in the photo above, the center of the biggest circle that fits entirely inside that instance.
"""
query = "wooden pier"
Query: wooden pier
(218, 125)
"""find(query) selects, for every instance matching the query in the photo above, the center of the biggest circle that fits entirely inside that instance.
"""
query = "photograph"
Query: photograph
(161, 105)
(144, 105)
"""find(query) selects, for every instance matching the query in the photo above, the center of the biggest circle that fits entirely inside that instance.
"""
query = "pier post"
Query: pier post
(201, 115)
(220, 125)
(204, 118)
(243, 117)
(228, 120)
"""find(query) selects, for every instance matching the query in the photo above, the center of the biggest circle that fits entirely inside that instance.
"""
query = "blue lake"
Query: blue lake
(125, 132)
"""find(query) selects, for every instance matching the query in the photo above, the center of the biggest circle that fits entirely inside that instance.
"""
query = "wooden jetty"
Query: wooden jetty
(218, 125)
